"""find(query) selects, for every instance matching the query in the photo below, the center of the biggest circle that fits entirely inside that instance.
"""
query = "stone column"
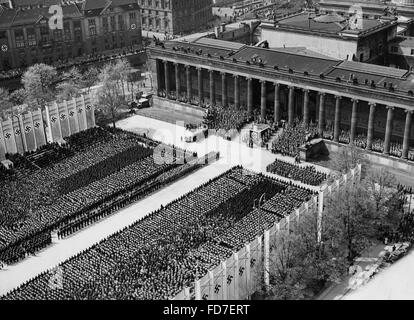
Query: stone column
(388, 130)
(306, 106)
(249, 96)
(223, 89)
(263, 99)
(236, 92)
(291, 112)
(177, 80)
(354, 120)
(188, 76)
(200, 86)
(212, 88)
(370, 133)
(167, 78)
(407, 133)
(337, 124)
(277, 103)
(321, 113)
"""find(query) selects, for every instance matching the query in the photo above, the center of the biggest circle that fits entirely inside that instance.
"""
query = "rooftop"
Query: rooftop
(332, 24)
(296, 60)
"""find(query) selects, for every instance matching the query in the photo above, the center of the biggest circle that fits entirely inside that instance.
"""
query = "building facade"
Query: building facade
(360, 98)
(175, 16)
(353, 38)
(89, 27)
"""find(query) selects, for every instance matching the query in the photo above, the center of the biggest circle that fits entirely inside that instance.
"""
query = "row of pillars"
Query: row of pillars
(291, 100)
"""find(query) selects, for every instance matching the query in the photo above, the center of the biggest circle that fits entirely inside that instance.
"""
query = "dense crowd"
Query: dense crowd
(169, 249)
(292, 138)
(38, 201)
(225, 118)
(305, 174)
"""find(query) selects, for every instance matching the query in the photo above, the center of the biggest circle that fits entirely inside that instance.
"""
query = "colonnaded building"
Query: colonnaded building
(284, 84)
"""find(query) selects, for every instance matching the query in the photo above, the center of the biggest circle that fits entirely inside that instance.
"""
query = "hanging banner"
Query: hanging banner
(90, 111)
(8, 135)
(2, 145)
(18, 134)
(54, 123)
(39, 129)
(80, 111)
(28, 130)
(64, 119)
(73, 116)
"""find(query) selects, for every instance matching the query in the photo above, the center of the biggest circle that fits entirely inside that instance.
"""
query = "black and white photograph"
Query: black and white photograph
(212, 155)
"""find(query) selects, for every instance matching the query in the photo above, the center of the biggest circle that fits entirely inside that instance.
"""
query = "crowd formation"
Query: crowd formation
(305, 174)
(167, 250)
(292, 138)
(38, 201)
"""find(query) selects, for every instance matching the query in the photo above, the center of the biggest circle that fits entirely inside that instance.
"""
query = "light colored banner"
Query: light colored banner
(90, 112)
(54, 123)
(39, 129)
(9, 139)
(2, 145)
(28, 130)
(80, 110)
(18, 134)
(64, 119)
(73, 116)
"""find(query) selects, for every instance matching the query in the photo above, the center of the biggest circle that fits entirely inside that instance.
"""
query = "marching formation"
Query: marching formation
(167, 250)
(304, 174)
(101, 167)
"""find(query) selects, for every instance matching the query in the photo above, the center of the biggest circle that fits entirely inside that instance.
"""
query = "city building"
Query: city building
(280, 84)
(89, 27)
(175, 16)
(354, 38)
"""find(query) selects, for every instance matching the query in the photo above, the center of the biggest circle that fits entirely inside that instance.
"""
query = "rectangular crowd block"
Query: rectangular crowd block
(90, 111)
(80, 110)
(2, 145)
(73, 116)
(18, 134)
(64, 119)
(28, 130)
(39, 129)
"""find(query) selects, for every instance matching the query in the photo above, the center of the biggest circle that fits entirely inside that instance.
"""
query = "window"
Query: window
(77, 31)
(18, 35)
(394, 49)
(31, 36)
(112, 20)
(66, 28)
(412, 51)
(132, 16)
(121, 22)
(58, 35)
(92, 27)
(105, 24)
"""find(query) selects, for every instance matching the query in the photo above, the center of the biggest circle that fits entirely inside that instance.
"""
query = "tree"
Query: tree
(38, 81)
(18, 97)
(89, 78)
(110, 95)
(5, 103)
(67, 90)
(348, 158)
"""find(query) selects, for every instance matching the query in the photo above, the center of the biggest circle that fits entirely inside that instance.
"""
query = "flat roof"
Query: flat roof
(284, 59)
(306, 22)
(372, 69)
(221, 44)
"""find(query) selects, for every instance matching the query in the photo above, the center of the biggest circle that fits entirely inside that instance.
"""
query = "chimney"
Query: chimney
(222, 27)
(217, 32)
